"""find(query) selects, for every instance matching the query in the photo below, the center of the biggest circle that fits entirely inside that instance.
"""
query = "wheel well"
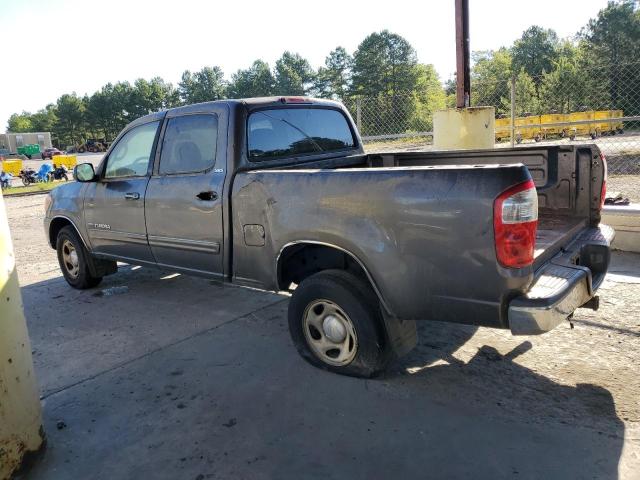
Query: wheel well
(302, 260)
(56, 225)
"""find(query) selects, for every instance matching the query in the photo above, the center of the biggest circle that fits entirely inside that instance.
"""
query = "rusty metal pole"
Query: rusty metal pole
(463, 87)
(463, 127)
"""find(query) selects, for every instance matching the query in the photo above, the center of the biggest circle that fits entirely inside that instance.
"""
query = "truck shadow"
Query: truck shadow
(497, 386)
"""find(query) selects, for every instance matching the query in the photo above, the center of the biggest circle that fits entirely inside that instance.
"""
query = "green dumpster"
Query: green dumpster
(29, 150)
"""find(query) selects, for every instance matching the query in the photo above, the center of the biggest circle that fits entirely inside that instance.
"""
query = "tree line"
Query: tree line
(599, 69)
(393, 91)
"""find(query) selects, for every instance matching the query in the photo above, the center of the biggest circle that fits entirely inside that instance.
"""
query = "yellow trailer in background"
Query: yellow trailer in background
(559, 130)
(583, 128)
(538, 127)
(503, 129)
(603, 128)
(528, 128)
(618, 125)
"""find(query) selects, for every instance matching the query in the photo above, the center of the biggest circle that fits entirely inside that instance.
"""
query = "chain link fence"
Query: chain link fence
(570, 105)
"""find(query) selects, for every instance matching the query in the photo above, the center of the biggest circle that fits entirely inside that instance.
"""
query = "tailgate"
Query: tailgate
(565, 282)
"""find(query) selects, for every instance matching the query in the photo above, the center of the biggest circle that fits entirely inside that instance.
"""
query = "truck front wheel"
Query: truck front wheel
(72, 257)
(336, 324)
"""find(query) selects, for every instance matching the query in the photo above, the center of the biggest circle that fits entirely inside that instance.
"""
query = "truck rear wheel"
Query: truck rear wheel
(336, 324)
(72, 257)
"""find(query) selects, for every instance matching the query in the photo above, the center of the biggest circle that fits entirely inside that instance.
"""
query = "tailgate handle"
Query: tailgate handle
(207, 196)
(132, 196)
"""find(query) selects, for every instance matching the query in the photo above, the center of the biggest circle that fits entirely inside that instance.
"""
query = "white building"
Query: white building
(11, 141)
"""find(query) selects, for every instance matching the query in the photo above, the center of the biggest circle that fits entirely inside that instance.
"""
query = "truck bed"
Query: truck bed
(562, 175)
(553, 233)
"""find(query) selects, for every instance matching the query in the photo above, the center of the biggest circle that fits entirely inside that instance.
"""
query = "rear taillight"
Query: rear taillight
(603, 190)
(515, 220)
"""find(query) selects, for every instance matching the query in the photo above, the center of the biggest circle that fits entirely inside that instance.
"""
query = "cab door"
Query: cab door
(183, 204)
(114, 205)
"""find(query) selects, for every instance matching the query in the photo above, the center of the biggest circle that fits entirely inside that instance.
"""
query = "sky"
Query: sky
(51, 47)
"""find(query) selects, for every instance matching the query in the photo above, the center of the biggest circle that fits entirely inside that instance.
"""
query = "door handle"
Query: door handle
(207, 196)
(132, 196)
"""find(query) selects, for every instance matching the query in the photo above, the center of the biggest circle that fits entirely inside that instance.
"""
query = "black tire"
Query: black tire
(357, 300)
(25, 181)
(83, 278)
(65, 177)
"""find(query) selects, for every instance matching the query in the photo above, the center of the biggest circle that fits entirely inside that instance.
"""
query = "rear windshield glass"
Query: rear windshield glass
(285, 132)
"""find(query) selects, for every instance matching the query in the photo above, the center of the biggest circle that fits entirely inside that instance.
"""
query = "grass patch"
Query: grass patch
(35, 188)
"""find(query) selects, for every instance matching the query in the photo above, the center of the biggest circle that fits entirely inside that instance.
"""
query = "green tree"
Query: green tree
(256, 81)
(535, 52)
(205, 85)
(150, 96)
(385, 73)
(334, 78)
(428, 97)
(70, 125)
(526, 95)
(44, 120)
(567, 88)
(490, 79)
(20, 123)
(293, 75)
(107, 110)
(612, 40)
(384, 64)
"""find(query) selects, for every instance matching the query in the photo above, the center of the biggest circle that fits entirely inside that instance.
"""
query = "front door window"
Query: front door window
(130, 157)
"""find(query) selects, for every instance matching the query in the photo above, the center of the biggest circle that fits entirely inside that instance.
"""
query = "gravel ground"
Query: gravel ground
(627, 185)
(585, 376)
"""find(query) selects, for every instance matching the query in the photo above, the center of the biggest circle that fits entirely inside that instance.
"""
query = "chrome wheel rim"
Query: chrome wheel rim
(70, 258)
(330, 333)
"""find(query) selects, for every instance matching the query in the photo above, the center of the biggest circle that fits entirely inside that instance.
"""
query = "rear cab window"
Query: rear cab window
(288, 132)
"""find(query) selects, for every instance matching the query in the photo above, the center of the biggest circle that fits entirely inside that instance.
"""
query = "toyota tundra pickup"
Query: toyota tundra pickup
(278, 194)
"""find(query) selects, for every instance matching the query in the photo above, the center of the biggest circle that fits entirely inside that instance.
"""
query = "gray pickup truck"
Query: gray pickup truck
(278, 194)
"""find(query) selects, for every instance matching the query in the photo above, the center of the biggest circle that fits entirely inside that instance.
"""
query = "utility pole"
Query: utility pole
(463, 127)
(463, 86)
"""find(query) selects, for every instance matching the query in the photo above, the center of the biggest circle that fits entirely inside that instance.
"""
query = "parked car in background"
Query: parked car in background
(278, 194)
(6, 154)
(50, 153)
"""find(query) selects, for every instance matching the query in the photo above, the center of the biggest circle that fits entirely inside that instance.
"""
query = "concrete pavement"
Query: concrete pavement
(159, 375)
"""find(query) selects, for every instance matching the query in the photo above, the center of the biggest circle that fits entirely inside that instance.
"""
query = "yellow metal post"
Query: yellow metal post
(20, 411)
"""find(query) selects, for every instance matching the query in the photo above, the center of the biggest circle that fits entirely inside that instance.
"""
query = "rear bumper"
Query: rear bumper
(566, 282)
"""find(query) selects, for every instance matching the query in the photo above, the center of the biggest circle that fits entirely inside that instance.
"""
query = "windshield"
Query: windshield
(285, 132)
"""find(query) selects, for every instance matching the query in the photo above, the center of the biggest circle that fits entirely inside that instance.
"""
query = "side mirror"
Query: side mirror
(84, 172)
